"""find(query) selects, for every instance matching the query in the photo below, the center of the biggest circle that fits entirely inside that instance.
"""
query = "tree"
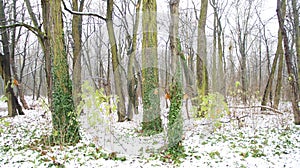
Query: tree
(241, 36)
(64, 117)
(292, 72)
(150, 85)
(278, 56)
(297, 36)
(202, 74)
(115, 61)
(218, 34)
(14, 38)
(175, 124)
(44, 42)
(76, 34)
(132, 69)
(14, 107)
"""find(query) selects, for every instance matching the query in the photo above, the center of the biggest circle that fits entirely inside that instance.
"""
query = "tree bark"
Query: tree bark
(115, 61)
(297, 36)
(14, 107)
(268, 89)
(175, 125)
(280, 65)
(132, 68)
(76, 35)
(44, 41)
(64, 117)
(150, 85)
(292, 73)
(18, 80)
(202, 74)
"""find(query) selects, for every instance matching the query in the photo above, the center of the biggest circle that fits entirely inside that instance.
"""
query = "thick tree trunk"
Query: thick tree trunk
(115, 61)
(292, 72)
(152, 122)
(64, 117)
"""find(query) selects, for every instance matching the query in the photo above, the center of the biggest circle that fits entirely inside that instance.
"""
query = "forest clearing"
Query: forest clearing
(149, 83)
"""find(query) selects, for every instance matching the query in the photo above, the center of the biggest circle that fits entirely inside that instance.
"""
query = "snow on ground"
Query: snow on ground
(258, 140)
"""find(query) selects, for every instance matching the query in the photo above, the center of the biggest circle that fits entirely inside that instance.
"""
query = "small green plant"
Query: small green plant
(3, 124)
(173, 155)
(213, 107)
(3, 98)
(257, 152)
(214, 154)
(96, 104)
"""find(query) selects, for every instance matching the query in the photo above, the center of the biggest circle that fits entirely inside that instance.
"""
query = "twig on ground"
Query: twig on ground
(257, 106)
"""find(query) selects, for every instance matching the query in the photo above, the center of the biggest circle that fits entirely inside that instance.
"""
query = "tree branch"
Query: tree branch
(34, 30)
(83, 13)
(258, 106)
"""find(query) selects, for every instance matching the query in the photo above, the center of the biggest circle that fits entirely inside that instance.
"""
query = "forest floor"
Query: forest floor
(257, 139)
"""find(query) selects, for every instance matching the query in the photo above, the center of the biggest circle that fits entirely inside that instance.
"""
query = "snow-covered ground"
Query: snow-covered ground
(257, 140)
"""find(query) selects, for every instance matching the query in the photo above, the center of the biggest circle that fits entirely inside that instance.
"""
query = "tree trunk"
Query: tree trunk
(132, 68)
(214, 56)
(152, 122)
(279, 78)
(175, 125)
(268, 89)
(280, 65)
(14, 107)
(64, 117)
(202, 74)
(76, 35)
(44, 41)
(292, 72)
(115, 61)
(297, 36)
(13, 66)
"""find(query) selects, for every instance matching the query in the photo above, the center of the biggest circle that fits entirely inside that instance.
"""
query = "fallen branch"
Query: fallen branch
(258, 106)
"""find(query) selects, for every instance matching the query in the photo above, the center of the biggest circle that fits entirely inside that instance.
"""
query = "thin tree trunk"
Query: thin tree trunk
(44, 41)
(17, 79)
(214, 56)
(115, 61)
(132, 68)
(268, 89)
(297, 36)
(14, 107)
(279, 79)
(292, 73)
(279, 52)
(202, 74)
(76, 35)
